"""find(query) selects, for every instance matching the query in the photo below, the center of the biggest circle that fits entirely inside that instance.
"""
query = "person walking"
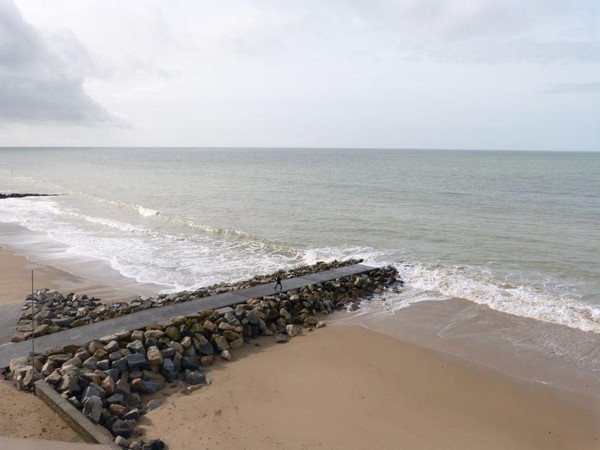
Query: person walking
(278, 283)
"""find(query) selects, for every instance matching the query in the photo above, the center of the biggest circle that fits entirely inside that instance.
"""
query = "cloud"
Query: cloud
(484, 31)
(574, 88)
(41, 77)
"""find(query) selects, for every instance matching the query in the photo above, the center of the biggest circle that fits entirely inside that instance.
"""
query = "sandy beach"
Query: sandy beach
(338, 387)
(22, 414)
(348, 387)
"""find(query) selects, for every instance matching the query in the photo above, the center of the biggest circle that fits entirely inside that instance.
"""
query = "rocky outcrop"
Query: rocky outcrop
(21, 195)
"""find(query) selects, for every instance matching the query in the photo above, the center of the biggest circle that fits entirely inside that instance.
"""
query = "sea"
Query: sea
(518, 232)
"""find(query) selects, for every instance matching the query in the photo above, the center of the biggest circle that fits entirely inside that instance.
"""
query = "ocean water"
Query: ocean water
(517, 231)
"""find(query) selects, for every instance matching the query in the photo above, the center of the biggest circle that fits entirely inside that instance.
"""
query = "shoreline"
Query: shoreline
(55, 269)
(324, 373)
(524, 349)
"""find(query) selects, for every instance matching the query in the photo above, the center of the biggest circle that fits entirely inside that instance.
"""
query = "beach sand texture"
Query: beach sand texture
(338, 387)
(348, 387)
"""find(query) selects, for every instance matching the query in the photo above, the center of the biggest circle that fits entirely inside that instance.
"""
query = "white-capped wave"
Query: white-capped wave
(147, 212)
(480, 286)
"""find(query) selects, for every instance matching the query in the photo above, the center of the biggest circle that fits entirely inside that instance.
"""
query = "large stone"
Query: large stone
(108, 384)
(136, 346)
(311, 320)
(121, 428)
(252, 317)
(31, 376)
(54, 377)
(115, 398)
(190, 363)
(120, 364)
(92, 408)
(117, 410)
(111, 347)
(221, 343)
(133, 414)
(90, 391)
(230, 335)
(90, 363)
(142, 386)
(293, 330)
(281, 338)
(70, 384)
(186, 342)
(206, 350)
(154, 334)
(154, 356)
(194, 377)
(153, 404)
(210, 326)
(41, 330)
(136, 361)
(173, 333)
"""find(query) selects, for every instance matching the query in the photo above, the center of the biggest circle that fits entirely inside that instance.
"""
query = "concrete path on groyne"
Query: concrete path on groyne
(140, 319)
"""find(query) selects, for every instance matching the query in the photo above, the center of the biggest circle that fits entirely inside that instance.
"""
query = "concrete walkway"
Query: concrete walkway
(9, 443)
(140, 319)
(9, 316)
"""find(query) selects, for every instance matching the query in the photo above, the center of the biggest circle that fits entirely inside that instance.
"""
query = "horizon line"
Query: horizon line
(290, 148)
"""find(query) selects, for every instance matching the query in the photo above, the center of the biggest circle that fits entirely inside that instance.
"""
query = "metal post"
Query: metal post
(32, 323)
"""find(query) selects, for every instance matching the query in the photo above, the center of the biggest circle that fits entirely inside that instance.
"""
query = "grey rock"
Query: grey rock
(153, 404)
(136, 361)
(92, 408)
(194, 377)
(281, 338)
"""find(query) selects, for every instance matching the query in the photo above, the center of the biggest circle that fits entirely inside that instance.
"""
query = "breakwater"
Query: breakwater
(45, 312)
(109, 378)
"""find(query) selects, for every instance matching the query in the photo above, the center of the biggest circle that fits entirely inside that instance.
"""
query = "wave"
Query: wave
(147, 212)
(149, 251)
(480, 286)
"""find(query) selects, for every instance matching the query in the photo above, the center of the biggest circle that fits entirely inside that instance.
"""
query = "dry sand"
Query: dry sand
(23, 415)
(348, 387)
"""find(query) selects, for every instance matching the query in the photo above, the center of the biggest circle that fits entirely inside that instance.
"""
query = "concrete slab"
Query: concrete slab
(330, 275)
(140, 319)
(9, 316)
(10, 443)
(96, 434)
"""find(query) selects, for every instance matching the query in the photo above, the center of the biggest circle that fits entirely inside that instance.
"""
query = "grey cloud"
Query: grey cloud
(574, 88)
(39, 83)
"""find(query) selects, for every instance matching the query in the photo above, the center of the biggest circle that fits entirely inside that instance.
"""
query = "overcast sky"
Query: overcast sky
(475, 74)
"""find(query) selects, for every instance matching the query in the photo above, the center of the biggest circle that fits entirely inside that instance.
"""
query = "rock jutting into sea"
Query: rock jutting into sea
(53, 311)
(110, 378)
(4, 195)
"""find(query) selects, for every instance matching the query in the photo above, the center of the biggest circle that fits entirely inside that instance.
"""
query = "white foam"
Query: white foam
(479, 285)
(147, 212)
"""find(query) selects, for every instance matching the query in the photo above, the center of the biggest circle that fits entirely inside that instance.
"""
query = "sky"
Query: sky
(459, 74)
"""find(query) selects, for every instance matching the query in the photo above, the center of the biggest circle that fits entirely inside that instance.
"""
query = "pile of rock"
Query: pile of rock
(109, 379)
(54, 311)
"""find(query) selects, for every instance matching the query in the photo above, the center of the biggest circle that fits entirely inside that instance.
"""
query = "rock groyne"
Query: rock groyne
(52, 311)
(110, 379)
